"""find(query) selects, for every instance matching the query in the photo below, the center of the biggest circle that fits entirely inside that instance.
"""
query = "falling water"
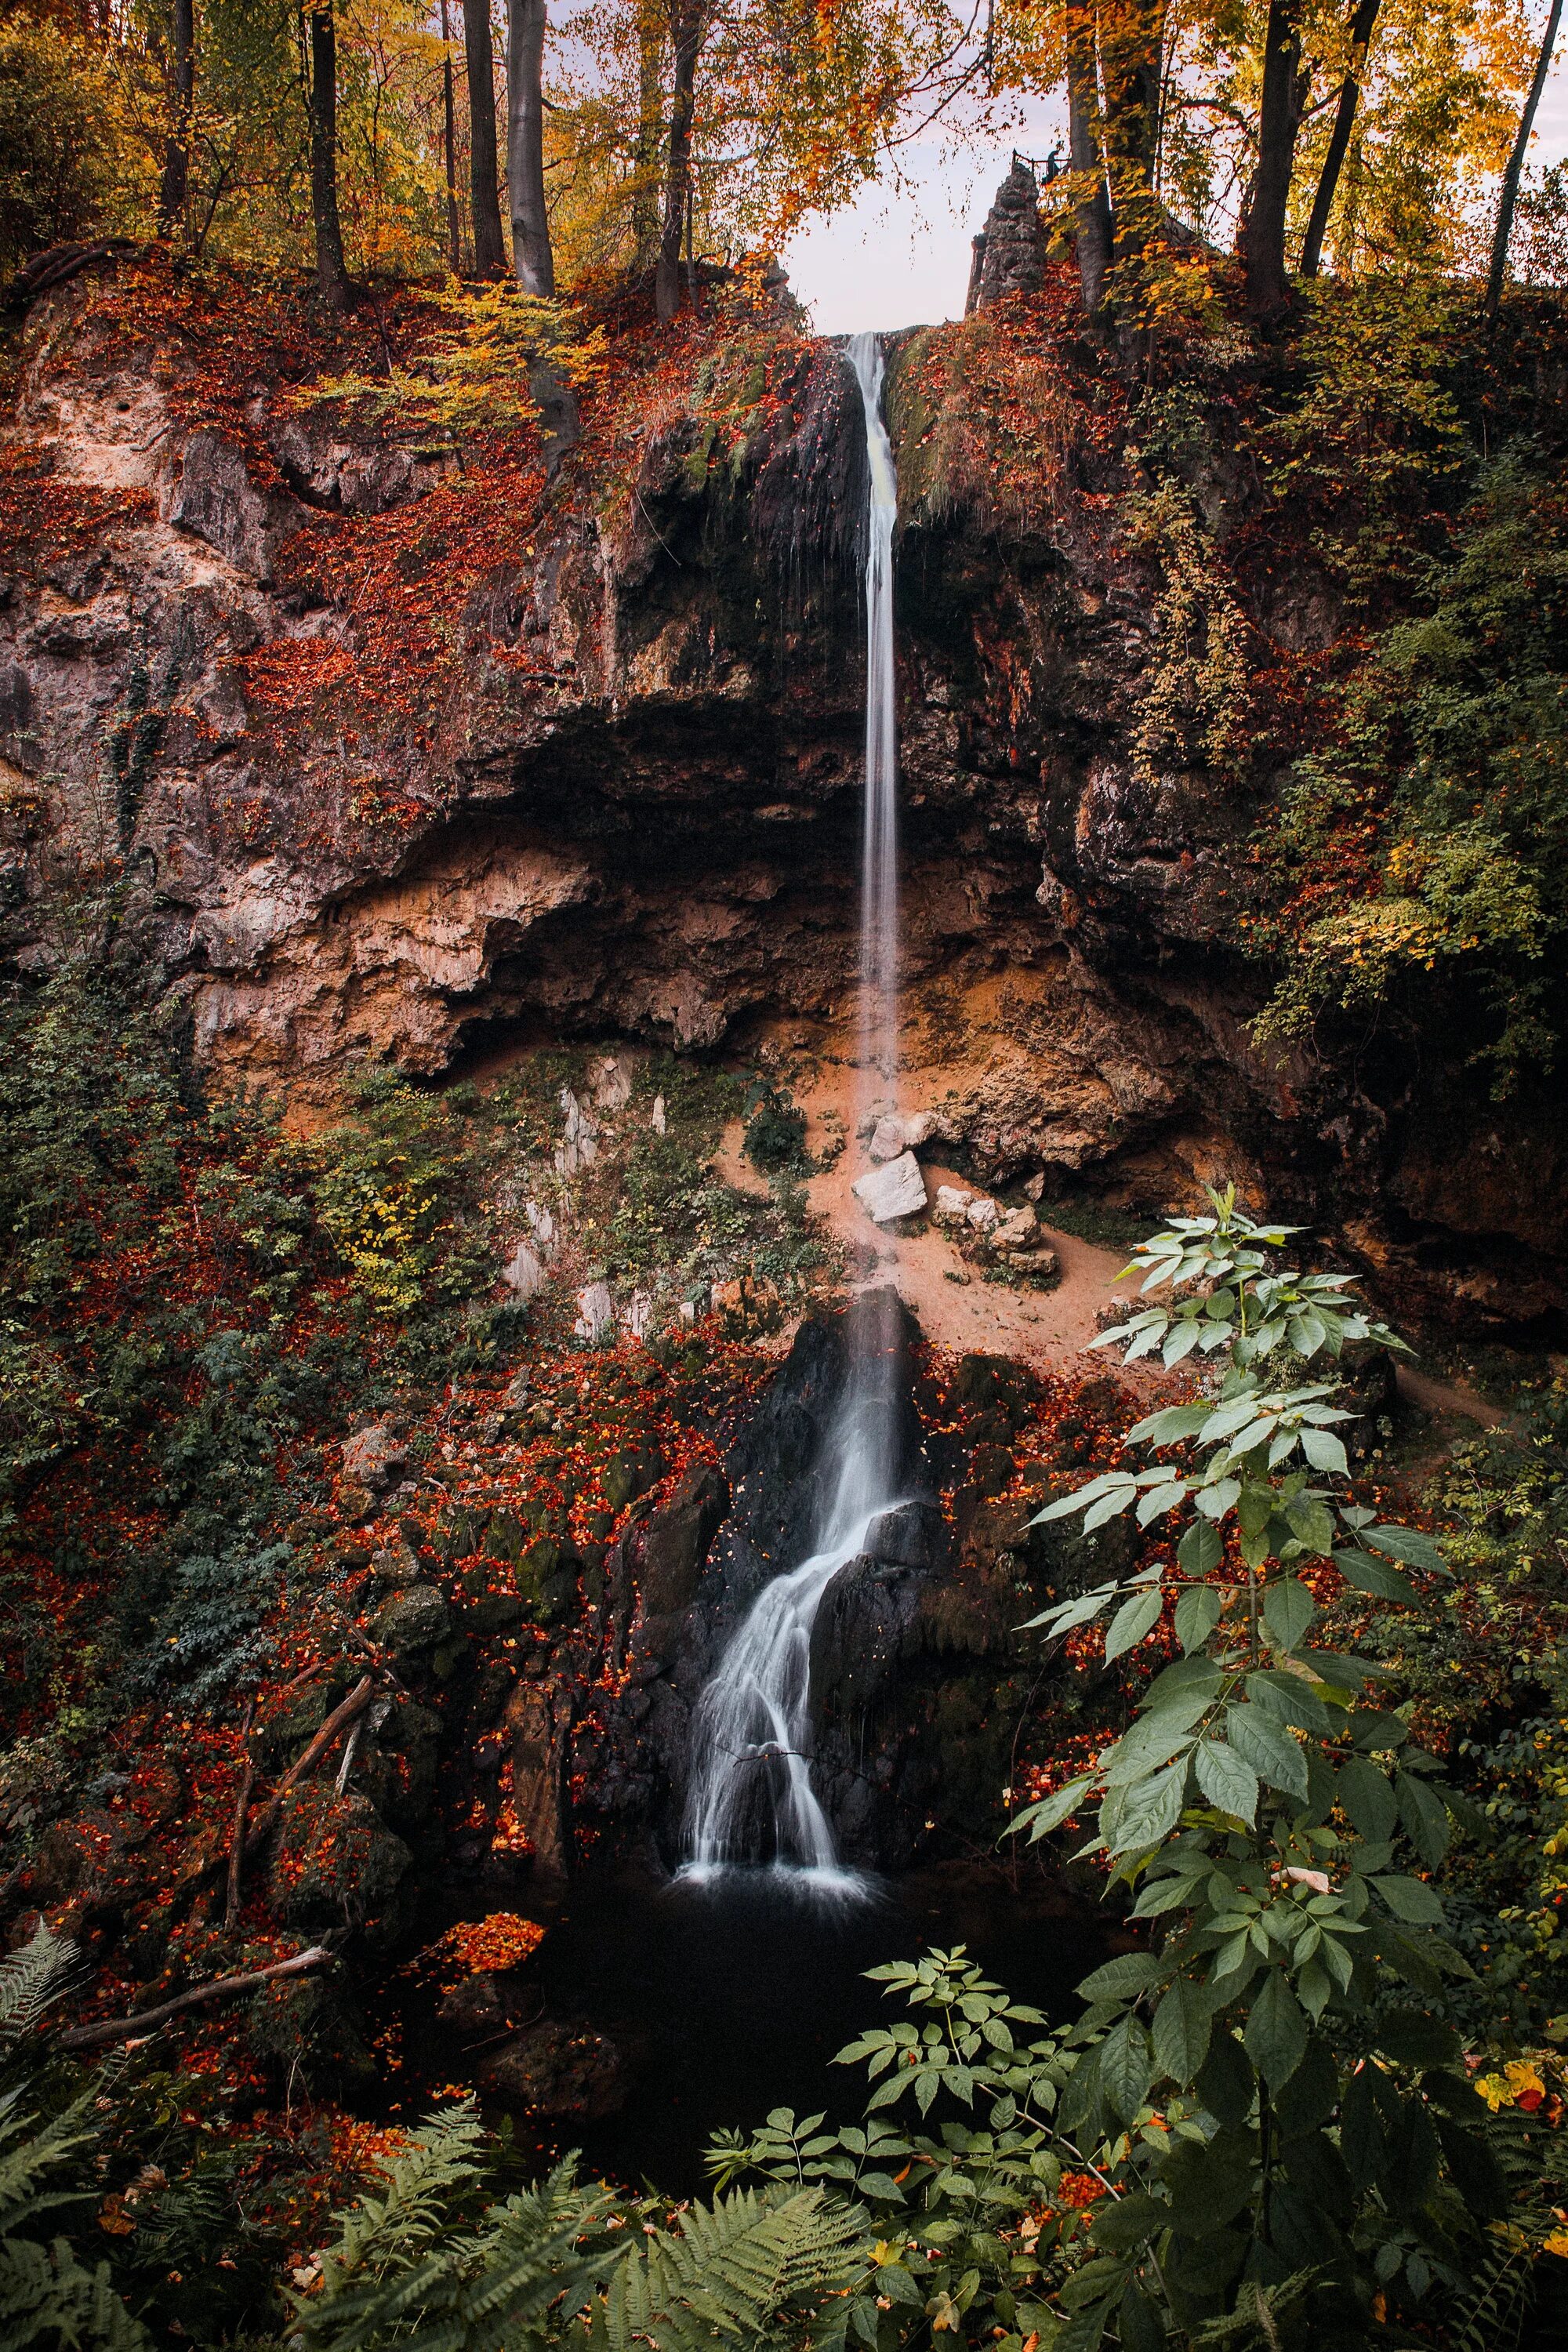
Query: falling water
(750, 1797)
(879, 845)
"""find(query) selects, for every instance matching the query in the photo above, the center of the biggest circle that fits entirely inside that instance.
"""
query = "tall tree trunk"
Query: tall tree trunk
(1093, 210)
(331, 271)
(1130, 58)
(650, 127)
(685, 30)
(1507, 196)
(1361, 25)
(490, 245)
(175, 187)
(1285, 84)
(450, 145)
(531, 255)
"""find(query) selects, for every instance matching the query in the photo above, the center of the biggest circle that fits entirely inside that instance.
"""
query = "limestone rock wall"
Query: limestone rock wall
(628, 805)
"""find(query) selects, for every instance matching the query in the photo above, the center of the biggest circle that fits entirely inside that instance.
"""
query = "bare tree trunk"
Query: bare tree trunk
(532, 257)
(685, 30)
(1361, 25)
(331, 270)
(449, 145)
(650, 128)
(1507, 196)
(1285, 85)
(1093, 239)
(490, 245)
(175, 186)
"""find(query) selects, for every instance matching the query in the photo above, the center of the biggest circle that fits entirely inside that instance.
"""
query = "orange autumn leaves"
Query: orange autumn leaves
(480, 1946)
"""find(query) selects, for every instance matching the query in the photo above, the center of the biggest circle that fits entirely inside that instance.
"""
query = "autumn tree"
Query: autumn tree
(1362, 24)
(1507, 196)
(175, 186)
(1287, 84)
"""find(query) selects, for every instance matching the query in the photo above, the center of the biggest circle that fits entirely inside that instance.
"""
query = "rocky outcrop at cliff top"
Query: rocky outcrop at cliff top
(399, 753)
(1010, 251)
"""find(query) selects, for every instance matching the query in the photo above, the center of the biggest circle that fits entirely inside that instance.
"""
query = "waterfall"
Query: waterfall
(879, 843)
(750, 1797)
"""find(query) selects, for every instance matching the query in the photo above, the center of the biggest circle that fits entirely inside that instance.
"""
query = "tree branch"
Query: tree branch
(127, 2028)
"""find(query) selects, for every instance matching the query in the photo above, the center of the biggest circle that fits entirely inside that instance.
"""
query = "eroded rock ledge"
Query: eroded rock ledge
(620, 797)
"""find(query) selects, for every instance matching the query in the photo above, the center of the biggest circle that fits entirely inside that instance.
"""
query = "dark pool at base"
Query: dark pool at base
(728, 1999)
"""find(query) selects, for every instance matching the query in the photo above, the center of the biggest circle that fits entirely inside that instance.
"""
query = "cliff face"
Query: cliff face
(409, 749)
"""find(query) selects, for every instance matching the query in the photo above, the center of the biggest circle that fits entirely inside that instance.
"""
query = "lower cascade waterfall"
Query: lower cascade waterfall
(751, 1799)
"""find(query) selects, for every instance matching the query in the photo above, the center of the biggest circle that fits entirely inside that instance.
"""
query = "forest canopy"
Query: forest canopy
(395, 139)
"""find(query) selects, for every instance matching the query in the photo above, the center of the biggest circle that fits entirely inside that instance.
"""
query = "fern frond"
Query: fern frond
(23, 2160)
(31, 1979)
(731, 2271)
(440, 2159)
(403, 2272)
(1494, 2316)
(49, 2300)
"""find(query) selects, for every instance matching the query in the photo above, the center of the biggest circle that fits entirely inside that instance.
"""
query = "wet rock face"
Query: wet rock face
(688, 1572)
(653, 835)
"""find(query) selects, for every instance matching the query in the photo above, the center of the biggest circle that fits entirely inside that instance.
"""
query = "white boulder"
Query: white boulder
(580, 1145)
(950, 1206)
(982, 1214)
(898, 1189)
(893, 1135)
(1018, 1230)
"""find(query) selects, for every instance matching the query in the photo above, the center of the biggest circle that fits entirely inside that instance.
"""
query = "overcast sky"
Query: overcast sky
(900, 257)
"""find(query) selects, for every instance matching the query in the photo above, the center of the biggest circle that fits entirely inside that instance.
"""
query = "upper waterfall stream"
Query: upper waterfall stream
(751, 1799)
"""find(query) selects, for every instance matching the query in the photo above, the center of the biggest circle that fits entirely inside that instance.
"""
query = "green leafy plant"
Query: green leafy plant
(1324, 2137)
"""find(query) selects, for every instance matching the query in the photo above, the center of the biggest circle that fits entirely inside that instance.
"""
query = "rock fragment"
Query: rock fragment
(898, 1189)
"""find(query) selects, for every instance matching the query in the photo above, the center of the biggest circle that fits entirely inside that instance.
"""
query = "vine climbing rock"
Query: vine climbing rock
(1010, 251)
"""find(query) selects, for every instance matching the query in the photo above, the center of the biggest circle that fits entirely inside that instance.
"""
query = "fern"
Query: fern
(404, 2273)
(1494, 2315)
(439, 2161)
(30, 1979)
(47, 2298)
(736, 2273)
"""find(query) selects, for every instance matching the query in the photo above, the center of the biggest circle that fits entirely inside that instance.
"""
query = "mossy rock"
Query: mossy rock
(338, 1866)
(458, 1532)
(496, 1612)
(506, 1537)
(630, 1473)
(415, 1619)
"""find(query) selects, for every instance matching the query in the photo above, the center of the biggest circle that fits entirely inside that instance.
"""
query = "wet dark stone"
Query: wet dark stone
(911, 1534)
(678, 1540)
(559, 2071)
(415, 1619)
(1010, 251)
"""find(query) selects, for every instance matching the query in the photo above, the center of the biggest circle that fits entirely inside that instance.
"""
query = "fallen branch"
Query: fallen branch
(127, 2028)
(263, 1823)
(231, 1906)
(341, 1716)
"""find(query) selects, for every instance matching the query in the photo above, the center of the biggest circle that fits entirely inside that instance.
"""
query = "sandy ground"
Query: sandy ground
(956, 1306)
